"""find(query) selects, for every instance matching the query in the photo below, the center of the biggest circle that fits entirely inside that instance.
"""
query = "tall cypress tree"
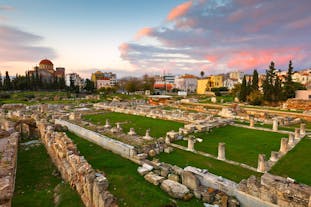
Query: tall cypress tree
(289, 87)
(1, 85)
(7, 85)
(243, 91)
(255, 86)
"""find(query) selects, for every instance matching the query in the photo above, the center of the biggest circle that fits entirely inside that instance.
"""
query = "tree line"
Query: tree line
(273, 89)
(30, 82)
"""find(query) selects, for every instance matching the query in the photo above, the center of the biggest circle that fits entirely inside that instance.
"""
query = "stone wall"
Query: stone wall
(8, 158)
(298, 104)
(91, 185)
(115, 146)
(277, 190)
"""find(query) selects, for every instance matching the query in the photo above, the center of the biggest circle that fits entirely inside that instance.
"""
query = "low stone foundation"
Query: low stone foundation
(8, 158)
(298, 104)
(277, 190)
(92, 186)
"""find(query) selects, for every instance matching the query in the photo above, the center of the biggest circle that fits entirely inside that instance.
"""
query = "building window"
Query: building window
(309, 96)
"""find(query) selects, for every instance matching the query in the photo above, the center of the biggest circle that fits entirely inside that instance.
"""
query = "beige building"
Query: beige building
(303, 94)
(214, 81)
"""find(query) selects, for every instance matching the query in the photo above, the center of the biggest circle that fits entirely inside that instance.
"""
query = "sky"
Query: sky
(136, 37)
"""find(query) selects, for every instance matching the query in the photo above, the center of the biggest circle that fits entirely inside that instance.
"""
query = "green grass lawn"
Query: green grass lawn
(184, 158)
(125, 183)
(242, 144)
(269, 126)
(157, 127)
(35, 183)
(296, 164)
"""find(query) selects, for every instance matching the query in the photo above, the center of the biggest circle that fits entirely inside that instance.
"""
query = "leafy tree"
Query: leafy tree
(255, 97)
(89, 86)
(235, 91)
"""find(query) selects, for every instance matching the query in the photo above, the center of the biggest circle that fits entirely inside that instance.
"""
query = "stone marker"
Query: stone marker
(284, 145)
(167, 140)
(118, 126)
(302, 128)
(147, 136)
(274, 156)
(107, 125)
(190, 144)
(297, 133)
(131, 132)
(251, 121)
(221, 151)
(291, 139)
(261, 163)
(275, 124)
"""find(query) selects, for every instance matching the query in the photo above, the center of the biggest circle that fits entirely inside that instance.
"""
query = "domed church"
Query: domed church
(46, 71)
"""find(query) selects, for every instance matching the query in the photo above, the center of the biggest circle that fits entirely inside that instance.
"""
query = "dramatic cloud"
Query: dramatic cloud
(225, 35)
(179, 10)
(143, 32)
(17, 45)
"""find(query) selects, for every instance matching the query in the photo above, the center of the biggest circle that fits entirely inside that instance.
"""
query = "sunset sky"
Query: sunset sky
(138, 36)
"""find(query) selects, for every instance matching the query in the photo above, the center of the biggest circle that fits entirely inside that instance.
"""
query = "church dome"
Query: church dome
(46, 62)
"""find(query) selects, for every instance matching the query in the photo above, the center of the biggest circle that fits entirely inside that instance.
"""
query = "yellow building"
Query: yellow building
(206, 84)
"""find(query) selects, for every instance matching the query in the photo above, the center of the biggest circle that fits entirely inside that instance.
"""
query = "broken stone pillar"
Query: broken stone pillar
(274, 156)
(261, 163)
(284, 145)
(131, 132)
(118, 126)
(302, 128)
(275, 124)
(167, 140)
(147, 136)
(251, 121)
(107, 125)
(190, 144)
(221, 151)
(297, 133)
(291, 139)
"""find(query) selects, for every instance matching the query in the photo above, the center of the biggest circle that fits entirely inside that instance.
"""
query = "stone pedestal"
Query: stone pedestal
(167, 140)
(107, 125)
(284, 145)
(274, 156)
(291, 139)
(251, 121)
(190, 144)
(131, 132)
(221, 151)
(297, 133)
(147, 136)
(275, 124)
(302, 129)
(261, 163)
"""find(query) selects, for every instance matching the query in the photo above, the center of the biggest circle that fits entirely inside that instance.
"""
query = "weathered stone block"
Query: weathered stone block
(176, 190)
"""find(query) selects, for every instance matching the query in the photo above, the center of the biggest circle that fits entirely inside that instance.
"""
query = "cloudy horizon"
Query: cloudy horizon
(137, 37)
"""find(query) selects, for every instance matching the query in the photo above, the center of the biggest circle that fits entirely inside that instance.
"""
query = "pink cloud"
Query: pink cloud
(179, 10)
(300, 24)
(123, 48)
(146, 31)
(247, 60)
